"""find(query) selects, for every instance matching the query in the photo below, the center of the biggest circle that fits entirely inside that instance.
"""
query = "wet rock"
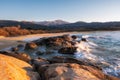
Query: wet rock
(37, 63)
(74, 37)
(20, 45)
(40, 65)
(60, 59)
(68, 50)
(39, 53)
(30, 45)
(84, 39)
(14, 49)
(25, 55)
(66, 37)
(73, 71)
(56, 42)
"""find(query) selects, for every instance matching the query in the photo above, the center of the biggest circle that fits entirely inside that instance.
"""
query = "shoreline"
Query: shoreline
(6, 42)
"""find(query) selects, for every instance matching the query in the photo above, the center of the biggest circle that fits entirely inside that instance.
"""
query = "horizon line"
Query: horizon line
(58, 19)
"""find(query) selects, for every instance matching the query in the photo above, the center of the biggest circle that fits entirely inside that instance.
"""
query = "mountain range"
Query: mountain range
(62, 25)
(52, 23)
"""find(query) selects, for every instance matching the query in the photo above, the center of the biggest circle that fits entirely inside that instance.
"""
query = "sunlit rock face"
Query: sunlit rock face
(73, 71)
(15, 69)
(63, 71)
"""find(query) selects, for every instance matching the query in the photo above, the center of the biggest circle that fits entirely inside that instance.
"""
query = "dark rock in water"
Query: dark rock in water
(14, 49)
(20, 45)
(84, 39)
(53, 44)
(56, 42)
(68, 50)
(66, 37)
(39, 53)
(30, 45)
(74, 37)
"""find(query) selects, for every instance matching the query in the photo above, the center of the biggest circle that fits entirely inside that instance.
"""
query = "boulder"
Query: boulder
(39, 53)
(22, 56)
(68, 50)
(37, 63)
(20, 45)
(30, 45)
(55, 42)
(73, 71)
(25, 55)
(40, 65)
(14, 69)
(14, 49)
(84, 39)
(74, 37)
(60, 59)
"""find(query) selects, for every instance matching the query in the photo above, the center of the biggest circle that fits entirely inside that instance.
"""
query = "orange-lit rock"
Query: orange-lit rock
(15, 69)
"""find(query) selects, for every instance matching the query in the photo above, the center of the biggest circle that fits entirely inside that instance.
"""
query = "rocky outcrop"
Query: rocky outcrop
(40, 65)
(53, 67)
(15, 69)
(73, 71)
(56, 42)
(14, 49)
(68, 71)
(22, 56)
(30, 45)
(68, 50)
(61, 68)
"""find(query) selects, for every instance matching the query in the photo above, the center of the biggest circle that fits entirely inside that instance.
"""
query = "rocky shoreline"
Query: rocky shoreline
(55, 67)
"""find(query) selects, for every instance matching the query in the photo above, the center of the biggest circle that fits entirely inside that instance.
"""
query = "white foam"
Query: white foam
(85, 36)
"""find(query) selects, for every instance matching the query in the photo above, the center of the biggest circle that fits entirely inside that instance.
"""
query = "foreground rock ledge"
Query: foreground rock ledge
(73, 71)
(15, 69)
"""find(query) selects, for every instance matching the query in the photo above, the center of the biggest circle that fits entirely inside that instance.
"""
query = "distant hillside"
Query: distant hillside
(52, 23)
(91, 26)
(15, 28)
(22, 24)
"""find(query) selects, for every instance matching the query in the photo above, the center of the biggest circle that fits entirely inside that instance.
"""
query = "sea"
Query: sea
(102, 47)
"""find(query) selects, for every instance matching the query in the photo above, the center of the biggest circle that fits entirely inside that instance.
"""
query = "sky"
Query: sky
(68, 10)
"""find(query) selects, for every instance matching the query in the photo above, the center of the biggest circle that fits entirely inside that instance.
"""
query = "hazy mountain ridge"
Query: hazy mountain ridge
(52, 23)
(62, 25)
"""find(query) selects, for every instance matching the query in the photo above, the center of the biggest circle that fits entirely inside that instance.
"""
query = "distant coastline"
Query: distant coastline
(17, 28)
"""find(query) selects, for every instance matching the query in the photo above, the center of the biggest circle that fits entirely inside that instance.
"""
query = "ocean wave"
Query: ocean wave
(84, 52)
